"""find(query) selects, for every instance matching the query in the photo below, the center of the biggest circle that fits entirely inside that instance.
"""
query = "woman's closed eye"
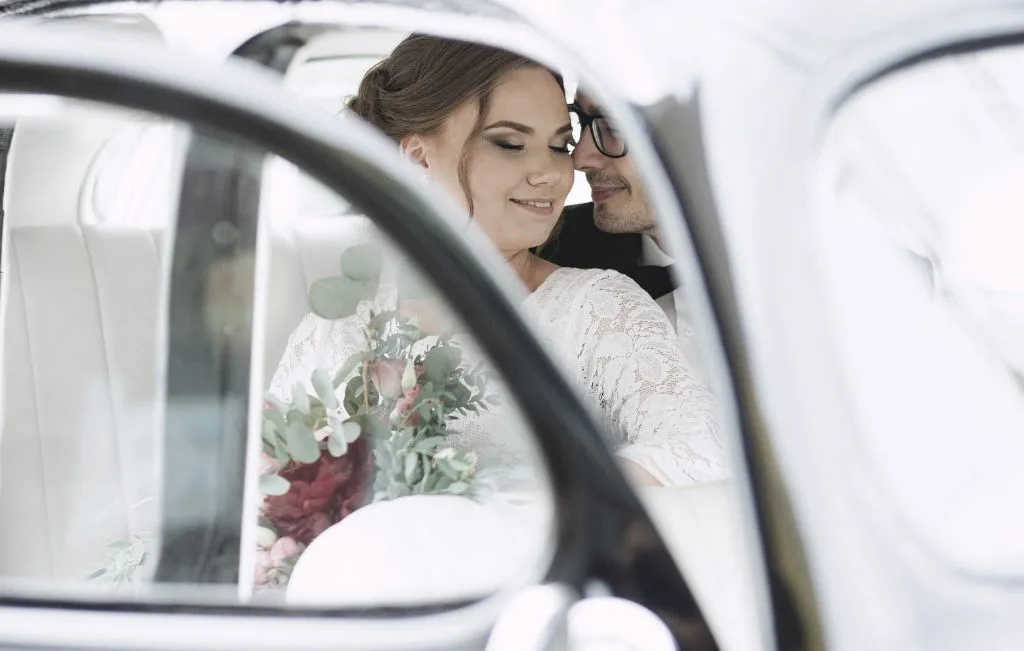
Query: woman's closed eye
(508, 146)
(564, 149)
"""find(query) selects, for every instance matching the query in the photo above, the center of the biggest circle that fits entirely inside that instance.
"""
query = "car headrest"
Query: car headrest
(50, 158)
(53, 150)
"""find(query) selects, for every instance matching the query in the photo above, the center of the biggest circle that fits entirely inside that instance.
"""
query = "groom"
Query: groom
(618, 230)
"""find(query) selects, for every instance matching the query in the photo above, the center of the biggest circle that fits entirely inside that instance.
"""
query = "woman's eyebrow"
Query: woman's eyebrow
(522, 128)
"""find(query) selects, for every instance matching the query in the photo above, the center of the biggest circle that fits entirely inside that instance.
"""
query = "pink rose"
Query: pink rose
(404, 407)
(386, 375)
(264, 563)
(268, 464)
(283, 549)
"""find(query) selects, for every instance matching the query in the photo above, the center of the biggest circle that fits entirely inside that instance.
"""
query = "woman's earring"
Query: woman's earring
(425, 179)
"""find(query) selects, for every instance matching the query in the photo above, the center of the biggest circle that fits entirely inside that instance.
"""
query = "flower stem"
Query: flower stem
(366, 389)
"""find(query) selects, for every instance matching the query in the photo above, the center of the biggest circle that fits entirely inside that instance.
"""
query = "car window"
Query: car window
(919, 227)
(158, 318)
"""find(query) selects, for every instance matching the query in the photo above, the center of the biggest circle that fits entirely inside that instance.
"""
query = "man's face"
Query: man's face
(620, 203)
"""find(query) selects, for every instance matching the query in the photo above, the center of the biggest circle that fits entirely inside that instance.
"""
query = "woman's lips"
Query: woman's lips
(538, 207)
(604, 194)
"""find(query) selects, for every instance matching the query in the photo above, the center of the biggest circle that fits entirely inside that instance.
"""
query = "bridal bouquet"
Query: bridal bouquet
(373, 429)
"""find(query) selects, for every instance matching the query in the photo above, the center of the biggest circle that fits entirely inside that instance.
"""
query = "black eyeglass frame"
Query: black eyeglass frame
(587, 120)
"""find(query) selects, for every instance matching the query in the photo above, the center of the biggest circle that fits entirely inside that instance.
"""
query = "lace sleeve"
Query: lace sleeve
(662, 416)
(324, 343)
(299, 357)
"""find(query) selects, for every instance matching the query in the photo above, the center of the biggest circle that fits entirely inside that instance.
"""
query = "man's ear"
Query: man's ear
(415, 148)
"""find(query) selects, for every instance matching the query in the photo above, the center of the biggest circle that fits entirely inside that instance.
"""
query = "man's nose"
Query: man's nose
(586, 156)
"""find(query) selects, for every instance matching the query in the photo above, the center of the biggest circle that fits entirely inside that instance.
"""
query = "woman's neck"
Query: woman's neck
(532, 271)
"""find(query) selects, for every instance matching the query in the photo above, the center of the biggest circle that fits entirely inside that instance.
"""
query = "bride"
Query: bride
(492, 129)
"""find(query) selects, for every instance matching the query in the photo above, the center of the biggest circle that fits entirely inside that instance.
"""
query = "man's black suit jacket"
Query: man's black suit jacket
(581, 244)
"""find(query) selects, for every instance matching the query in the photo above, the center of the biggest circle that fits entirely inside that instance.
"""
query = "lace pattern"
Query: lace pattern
(616, 344)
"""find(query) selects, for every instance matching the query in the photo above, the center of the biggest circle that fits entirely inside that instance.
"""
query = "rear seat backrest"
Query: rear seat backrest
(80, 353)
(308, 233)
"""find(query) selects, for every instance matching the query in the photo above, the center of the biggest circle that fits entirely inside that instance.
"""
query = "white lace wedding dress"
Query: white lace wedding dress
(613, 341)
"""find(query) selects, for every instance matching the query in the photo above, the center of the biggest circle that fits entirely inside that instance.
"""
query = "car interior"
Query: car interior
(90, 201)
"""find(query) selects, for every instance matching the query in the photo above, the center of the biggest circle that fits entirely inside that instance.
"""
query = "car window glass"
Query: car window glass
(374, 426)
(624, 338)
(919, 223)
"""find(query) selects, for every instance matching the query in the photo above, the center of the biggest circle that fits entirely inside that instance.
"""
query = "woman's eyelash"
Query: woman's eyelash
(508, 146)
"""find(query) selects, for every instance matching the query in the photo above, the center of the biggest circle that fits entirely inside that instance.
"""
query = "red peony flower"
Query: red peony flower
(322, 493)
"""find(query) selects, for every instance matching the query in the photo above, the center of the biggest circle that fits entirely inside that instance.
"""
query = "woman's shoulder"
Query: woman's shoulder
(593, 282)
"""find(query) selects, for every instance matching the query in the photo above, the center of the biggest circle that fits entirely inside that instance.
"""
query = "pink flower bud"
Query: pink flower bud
(284, 548)
(403, 408)
(386, 375)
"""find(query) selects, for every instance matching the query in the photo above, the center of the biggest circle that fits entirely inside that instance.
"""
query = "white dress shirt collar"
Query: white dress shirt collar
(652, 254)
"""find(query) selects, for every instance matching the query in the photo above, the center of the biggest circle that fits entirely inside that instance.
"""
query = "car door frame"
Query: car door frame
(789, 392)
(596, 506)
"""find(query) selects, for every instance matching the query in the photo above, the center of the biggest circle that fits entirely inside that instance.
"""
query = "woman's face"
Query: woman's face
(518, 167)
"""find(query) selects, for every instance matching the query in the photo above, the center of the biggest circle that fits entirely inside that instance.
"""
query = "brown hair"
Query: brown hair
(425, 80)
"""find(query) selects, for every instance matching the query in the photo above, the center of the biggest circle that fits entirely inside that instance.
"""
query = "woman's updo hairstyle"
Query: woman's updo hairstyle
(425, 80)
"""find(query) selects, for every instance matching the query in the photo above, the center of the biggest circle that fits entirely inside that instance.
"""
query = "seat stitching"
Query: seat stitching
(118, 445)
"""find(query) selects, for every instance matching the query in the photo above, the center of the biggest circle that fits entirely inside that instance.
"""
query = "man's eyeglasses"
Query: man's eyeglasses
(606, 137)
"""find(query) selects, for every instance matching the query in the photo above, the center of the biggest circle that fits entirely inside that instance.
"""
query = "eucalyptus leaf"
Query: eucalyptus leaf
(444, 466)
(275, 402)
(336, 444)
(350, 430)
(458, 488)
(300, 399)
(441, 484)
(350, 364)
(324, 388)
(269, 432)
(428, 444)
(354, 395)
(410, 468)
(439, 363)
(430, 483)
(362, 262)
(281, 451)
(301, 444)
(402, 439)
(274, 485)
(119, 544)
(397, 490)
(274, 416)
(461, 393)
(338, 297)
(458, 465)
(97, 573)
(381, 319)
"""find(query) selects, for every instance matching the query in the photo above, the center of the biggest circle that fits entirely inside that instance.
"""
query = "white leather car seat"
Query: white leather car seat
(309, 229)
(89, 196)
